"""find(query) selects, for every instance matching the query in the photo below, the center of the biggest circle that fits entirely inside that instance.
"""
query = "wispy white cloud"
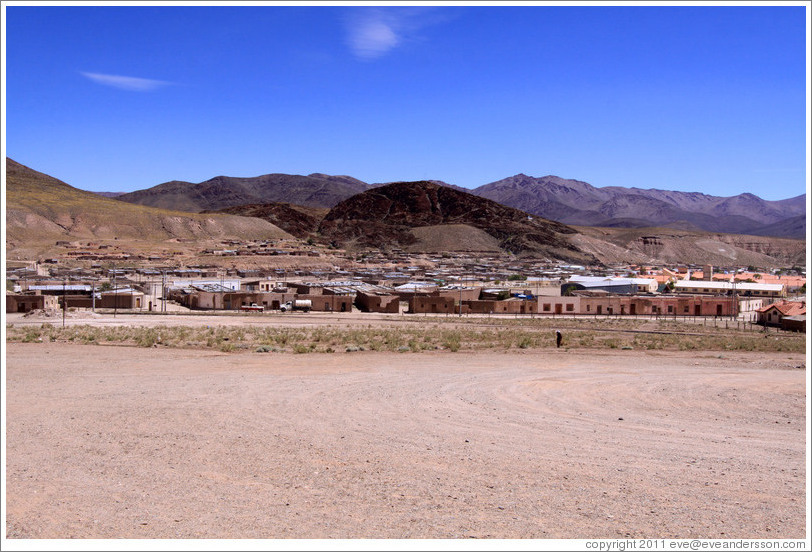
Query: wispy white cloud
(372, 38)
(373, 32)
(126, 83)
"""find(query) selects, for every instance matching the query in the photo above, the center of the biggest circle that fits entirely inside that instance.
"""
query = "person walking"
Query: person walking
(558, 338)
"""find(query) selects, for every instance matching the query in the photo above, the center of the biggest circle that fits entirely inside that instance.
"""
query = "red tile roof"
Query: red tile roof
(786, 308)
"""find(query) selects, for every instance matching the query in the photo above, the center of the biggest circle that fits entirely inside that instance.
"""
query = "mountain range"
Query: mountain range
(579, 203)
(421, 217)
(567, 201)
(315, 190)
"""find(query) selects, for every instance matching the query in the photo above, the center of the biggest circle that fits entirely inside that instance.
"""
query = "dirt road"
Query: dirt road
(108, 442)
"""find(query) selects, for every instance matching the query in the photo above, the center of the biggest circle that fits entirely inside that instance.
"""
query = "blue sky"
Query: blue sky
(691, 98)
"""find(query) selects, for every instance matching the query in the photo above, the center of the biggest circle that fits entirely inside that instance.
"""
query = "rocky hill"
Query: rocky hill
(314, 190)
(296, 220)
(579, 203)
(388, 215)
(41, 209)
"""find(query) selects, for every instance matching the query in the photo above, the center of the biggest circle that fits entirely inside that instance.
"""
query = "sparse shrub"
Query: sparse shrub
(452, 345)
(147, 338)
(31, 335)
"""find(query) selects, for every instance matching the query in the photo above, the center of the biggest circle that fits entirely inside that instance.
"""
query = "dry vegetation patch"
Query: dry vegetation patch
(440, 334)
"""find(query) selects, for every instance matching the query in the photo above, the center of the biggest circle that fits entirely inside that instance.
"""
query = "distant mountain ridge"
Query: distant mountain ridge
(428, 217)
(563, 200)
(315, 190)
(579, 203)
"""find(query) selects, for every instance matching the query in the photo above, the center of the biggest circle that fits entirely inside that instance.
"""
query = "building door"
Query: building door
(558, 309)
(632, 309)
(697, 310)
(718, 310)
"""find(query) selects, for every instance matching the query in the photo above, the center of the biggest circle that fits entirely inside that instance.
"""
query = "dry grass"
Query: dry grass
(435, 335)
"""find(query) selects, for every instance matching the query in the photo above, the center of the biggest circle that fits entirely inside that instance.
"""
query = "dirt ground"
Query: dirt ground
(122, 442)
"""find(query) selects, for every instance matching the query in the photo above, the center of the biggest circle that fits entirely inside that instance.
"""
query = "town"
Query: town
(89, 275)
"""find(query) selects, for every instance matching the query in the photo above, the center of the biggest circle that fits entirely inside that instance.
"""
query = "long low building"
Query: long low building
(625, 286)
(630, 305)
(746, 289)
(203, 299)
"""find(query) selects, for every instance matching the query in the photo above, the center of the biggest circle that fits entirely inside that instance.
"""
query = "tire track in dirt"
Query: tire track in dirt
(127, 442)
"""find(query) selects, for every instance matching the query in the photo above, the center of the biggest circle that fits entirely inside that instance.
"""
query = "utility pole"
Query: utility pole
(64, 302)
(460, 300)
(115, 293)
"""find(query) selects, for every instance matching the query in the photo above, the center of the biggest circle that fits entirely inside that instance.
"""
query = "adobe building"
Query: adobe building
(205, 299)
(674, 306)
(508, 306)
(377, 302)
(559, 305)
(433, 304)
(120, 299)
(775, 314)
(623, 305)
(28, 302)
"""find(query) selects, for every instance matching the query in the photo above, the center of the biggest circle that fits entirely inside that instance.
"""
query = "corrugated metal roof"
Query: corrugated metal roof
(59, 287)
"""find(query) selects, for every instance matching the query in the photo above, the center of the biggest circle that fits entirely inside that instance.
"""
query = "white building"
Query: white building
(747, 289)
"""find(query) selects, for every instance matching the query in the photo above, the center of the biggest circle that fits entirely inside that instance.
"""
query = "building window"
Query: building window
(570, 307)
(670, 308)
(588, 308)
(686, 309)
(546, 306)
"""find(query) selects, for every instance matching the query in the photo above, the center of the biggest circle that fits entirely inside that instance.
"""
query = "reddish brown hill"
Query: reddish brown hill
(296, 220)
(387, 214)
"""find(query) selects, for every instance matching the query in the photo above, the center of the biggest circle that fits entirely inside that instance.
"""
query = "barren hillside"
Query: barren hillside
(41, 209)
(666, 245)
